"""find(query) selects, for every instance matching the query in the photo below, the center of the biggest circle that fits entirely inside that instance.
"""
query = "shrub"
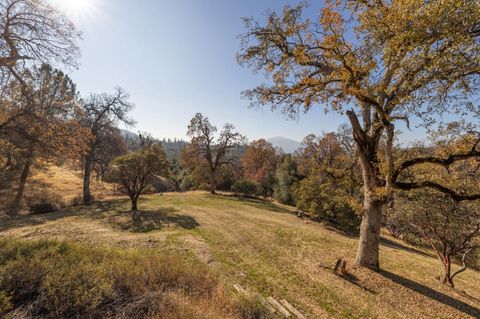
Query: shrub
(5, 304)
(44, 201)
(62, 280)
(77, 200)
(286, 176)
(245, 188)
(328, 203)
(203, 187)
(186, 183)
(162, 185)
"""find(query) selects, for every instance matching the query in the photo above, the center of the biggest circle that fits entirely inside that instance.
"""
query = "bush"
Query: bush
(162, 185)
(286, 176)
(203, 187)
(61, 280)
(5, 304)
(78, 200)
(43, 202)
(245, 188)
(186, 183)
(328, 203)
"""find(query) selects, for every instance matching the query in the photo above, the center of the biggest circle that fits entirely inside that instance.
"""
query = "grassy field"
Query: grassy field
(265, 248)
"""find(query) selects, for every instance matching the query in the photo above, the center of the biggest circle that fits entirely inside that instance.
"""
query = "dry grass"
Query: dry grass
(265, 248)
(68, 183)
(45, 279)
(60, 185)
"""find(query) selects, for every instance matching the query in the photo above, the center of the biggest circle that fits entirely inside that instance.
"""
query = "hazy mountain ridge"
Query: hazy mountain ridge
(287, 144)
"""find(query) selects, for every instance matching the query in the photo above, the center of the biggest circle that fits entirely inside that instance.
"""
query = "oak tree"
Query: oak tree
(32, 32)
(330, 190)
(135, 171)
(102, 113)
(211, 152)
(379, 62)
(449, 227)
(49, 127)
(259, 163)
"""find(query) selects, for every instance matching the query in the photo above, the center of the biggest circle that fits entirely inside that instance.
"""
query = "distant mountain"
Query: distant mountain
(288, 145)
(128, 134)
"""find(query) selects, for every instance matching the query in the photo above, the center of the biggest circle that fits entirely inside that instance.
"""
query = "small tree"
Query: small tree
(259, 164)
(135, 171)
(331, 189)
(245, 188)
(208, 152)
(448, 226)
(328, 201)
(286, 175)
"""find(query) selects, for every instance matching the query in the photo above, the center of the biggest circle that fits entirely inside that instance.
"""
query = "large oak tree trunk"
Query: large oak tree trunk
(87, 195)
(368, 247)
(369, 241)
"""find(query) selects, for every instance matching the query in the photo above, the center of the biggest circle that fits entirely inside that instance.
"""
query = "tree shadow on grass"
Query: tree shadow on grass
(433, 294)
(9, 222)
(257, 203)
(95, 210)
(392, 244)
(355, 281)
(152, 220)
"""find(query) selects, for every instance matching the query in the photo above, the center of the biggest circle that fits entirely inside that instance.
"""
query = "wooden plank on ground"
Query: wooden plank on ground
(279, 307)
(292, 309)
(266, 304)
(240, 289)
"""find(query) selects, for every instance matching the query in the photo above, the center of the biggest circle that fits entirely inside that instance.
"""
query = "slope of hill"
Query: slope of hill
(288, 145)
(60, 186)
(266, 249)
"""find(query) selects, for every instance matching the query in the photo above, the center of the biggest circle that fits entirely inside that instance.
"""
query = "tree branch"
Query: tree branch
(443, 189)
(445, 162)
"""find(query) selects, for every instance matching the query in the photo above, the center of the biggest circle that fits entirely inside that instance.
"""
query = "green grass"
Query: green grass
(265, 248)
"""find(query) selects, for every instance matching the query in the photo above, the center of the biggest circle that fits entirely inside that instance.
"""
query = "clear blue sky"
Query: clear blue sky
(177, 58)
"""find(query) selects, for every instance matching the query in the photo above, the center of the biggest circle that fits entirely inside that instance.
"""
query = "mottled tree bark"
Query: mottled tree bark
(368, 247)
(367, 144)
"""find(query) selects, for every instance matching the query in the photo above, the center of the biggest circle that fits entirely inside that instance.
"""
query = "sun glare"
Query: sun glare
(77, 7)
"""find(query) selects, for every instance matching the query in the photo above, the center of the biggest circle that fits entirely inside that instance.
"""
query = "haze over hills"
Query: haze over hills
(288, 145)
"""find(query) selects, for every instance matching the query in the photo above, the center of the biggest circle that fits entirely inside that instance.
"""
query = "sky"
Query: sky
(177, 58)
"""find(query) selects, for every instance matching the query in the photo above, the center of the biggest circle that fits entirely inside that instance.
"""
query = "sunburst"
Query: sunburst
(77, 8)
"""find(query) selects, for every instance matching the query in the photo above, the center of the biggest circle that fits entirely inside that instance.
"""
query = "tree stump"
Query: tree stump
(340, 267)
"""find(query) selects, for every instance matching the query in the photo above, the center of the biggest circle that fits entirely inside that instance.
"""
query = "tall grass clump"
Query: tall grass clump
(47, 279)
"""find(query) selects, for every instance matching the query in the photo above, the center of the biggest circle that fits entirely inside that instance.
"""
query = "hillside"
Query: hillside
(265, 248)
(57, 185)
